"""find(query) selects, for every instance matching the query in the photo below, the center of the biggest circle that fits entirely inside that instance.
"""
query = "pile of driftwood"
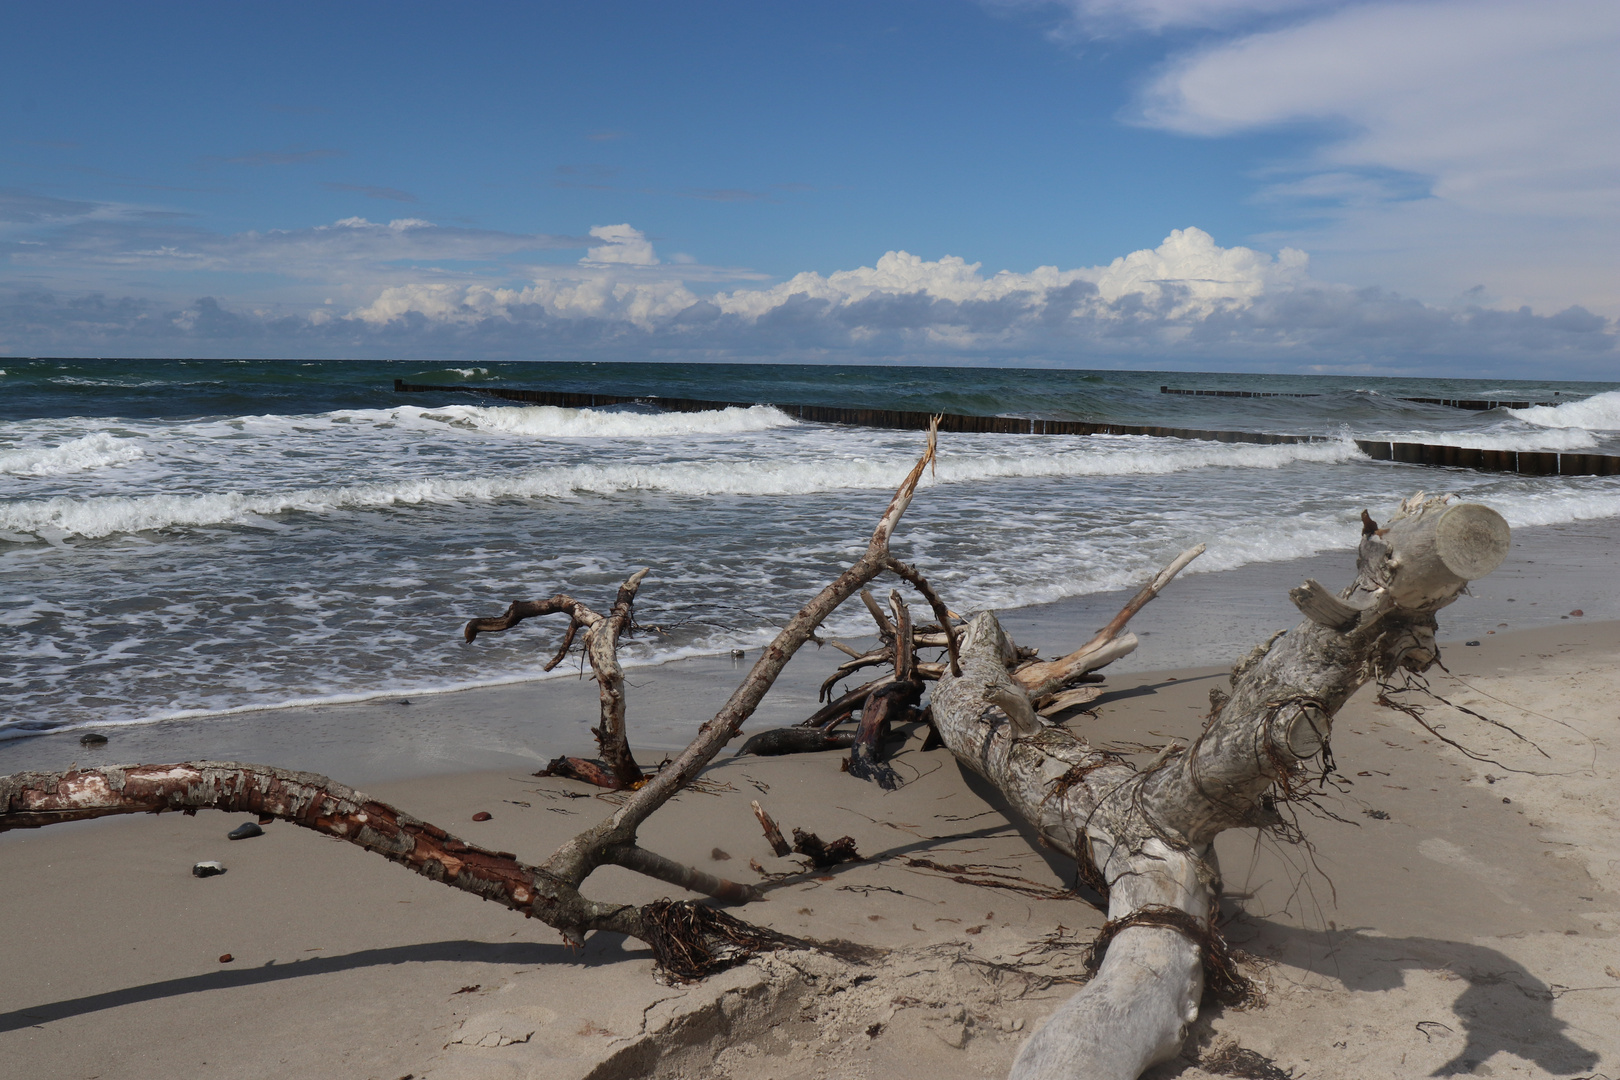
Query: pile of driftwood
(1140, 836)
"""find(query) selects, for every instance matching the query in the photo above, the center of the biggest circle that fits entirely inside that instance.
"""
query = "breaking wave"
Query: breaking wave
(1600, 412)
(106, 515)
(549, 422)
(94, 451)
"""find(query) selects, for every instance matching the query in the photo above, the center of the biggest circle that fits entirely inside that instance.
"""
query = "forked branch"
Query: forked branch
(602, 635)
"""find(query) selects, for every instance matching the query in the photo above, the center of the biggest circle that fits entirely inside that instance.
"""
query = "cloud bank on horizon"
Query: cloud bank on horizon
(1189, 300)
(1438, 183)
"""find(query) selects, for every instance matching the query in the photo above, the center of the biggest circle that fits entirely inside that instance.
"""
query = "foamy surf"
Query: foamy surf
(97, 450)
(547, 422)
(1600, 412)
(1501, 438)
(64, 516)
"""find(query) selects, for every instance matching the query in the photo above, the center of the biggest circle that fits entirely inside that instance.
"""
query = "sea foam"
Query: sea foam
(544, 421)
(1600, 412)
(94, 451)
(105, 515)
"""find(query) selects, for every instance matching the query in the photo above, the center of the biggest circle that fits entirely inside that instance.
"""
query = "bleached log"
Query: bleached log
(1148, 832)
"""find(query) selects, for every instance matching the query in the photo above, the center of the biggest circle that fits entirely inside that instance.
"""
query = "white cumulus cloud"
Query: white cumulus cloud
(1187, 275)
(621, 245)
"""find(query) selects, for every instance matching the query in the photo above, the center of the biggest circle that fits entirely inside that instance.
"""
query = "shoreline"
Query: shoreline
(1201, 620)
(1443, 891)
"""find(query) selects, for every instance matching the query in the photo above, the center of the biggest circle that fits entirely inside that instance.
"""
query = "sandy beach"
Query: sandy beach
(1453, 916)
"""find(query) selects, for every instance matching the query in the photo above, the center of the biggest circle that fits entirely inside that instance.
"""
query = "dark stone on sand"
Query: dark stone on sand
(208, 869)
(1470, 643)
(92, 738)
(226, 958)
(245, 831)
(719, 856)
(482, 815)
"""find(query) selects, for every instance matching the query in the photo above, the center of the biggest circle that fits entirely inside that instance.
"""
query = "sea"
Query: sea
(196, 538)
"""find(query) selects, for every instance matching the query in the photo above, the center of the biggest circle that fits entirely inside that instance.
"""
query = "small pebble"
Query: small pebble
(92, 738)
(245, 831)
(482, 815)
(738, 654)
(1507, 800)
(719, 856)
(1577, 613)
(405, 701)
(208, 869)
(1470, 643)
(226, 958)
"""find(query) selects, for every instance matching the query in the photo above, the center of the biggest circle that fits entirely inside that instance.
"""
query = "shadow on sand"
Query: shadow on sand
(514, 954)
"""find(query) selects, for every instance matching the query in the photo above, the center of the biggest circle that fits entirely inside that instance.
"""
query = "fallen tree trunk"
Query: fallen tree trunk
(1142, 837)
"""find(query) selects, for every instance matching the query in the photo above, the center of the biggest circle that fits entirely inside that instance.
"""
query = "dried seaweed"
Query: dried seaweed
(1222, 979)
(691, 941)
(1230, 1059)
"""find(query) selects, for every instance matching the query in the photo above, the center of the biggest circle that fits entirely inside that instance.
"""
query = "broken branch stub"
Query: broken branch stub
(1044, 678)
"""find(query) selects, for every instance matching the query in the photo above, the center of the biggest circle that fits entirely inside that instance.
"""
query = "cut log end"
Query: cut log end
(1472, 540)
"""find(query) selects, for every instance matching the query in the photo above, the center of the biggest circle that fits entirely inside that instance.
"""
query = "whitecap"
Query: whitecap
(1501, 438)
(549, 422)
(1600, 412)
(94, 451)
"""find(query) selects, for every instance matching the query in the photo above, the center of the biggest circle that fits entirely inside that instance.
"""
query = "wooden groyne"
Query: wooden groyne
(1474, 404)
(1229, 393)
(1524, 462)
(898, 419)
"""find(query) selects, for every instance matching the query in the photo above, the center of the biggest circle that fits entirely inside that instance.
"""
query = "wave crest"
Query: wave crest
(107, 515)
(1600, 412)
(550, 422)
(94, 451)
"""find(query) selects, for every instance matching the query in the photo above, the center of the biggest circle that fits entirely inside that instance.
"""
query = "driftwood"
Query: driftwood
(1142, 837)
(1031, 686)
(618, 769)
(688, 939)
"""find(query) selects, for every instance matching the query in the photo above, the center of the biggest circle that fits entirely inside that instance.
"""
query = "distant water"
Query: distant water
(184, 537)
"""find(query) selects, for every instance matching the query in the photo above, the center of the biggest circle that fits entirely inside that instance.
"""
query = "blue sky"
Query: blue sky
(1425, 186)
